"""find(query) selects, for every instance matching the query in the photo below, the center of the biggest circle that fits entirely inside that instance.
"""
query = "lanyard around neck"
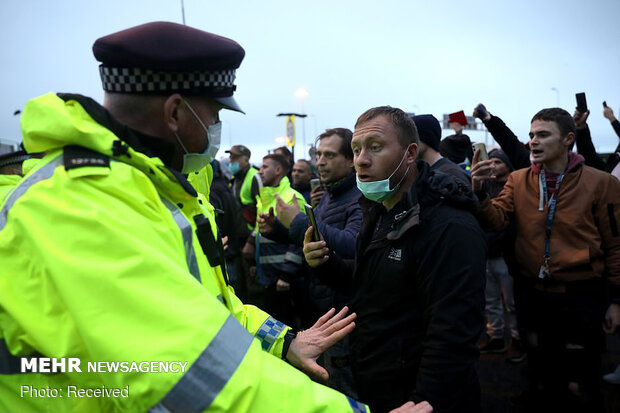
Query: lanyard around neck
(551, 204)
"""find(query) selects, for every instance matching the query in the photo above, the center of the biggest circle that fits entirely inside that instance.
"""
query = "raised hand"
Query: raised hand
(311, 343)
(285, 212)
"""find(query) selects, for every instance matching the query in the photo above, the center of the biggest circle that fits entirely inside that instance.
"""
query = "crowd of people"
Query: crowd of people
(122, 239)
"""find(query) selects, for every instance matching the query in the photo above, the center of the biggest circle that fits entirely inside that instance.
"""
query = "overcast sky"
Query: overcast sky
(422, 56)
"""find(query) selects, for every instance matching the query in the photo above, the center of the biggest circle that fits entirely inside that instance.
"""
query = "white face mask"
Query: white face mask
(379, 191)
(194, 162)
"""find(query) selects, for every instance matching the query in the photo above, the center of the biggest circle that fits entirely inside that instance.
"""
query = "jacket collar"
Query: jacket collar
(141, 142)
(430, 189)
(343, 185)
(52, 122)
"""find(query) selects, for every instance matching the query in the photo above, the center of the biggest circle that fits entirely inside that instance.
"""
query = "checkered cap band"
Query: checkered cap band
(357, 406)
(138, 80)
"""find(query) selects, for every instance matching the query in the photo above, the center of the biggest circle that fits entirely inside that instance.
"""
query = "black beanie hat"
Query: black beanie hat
(428, 129)
(501, 155)
(456, 148)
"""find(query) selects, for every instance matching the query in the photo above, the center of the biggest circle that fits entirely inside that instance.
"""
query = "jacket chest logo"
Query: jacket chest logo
(395, 254)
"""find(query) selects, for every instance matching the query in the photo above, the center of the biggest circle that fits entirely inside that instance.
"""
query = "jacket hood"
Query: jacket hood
(51, 122)
(433, 186)
(574, 161)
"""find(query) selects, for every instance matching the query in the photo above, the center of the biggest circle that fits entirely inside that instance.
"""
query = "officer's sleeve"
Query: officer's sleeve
(97, 275)
(267, 330)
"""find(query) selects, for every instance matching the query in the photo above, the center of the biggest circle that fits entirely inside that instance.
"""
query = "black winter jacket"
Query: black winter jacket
(586, 148)
(228, 215)
(418, 291)
(517, 151)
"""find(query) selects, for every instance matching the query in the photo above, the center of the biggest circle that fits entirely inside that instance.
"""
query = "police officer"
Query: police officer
(109, 254)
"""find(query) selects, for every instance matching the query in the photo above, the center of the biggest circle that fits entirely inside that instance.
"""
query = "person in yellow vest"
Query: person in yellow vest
(113, 296)
(245, 182)
(278, 264)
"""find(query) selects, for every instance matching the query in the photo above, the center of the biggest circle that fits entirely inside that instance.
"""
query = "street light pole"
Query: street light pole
(302, 94)
(557, 96)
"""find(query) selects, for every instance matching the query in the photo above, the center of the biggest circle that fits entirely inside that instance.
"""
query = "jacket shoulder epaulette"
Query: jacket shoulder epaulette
(78, 156)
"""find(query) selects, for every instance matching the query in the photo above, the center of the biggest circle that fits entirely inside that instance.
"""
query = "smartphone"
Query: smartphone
(484, 156)
(481, 110)
(582, 105)
(314, 183)
(316, 235)
(604, 103)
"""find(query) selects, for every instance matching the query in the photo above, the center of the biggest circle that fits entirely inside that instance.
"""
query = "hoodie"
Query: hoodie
(584, 237)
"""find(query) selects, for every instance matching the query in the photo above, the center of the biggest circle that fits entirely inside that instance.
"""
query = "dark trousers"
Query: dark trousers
(279, 304)
(564, 341)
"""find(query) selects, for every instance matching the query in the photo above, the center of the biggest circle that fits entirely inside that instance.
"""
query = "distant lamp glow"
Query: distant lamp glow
(301, 93)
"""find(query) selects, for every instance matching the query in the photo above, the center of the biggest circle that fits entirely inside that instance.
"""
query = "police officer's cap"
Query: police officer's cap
(164, 57)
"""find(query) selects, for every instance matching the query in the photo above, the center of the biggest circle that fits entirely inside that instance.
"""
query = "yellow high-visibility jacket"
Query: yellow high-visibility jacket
(106, 256)
(7, 183)
(274, 258)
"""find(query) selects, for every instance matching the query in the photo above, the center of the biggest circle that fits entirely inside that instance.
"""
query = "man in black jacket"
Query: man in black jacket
(231, 225)
(339, 218)
(417, 282)
(429, 131)
(518, 153)
(585, 147)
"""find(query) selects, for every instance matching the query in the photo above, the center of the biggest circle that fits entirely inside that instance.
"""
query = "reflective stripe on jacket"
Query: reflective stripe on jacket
(101, 262)
(276, 259)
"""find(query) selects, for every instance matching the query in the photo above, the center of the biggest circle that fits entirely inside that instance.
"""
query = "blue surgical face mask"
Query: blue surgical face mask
(234, 167)
(194, 162)
(380, 191)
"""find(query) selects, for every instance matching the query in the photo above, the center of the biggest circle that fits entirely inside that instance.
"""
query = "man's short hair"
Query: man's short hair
(405, 127)
(562, 118)
(307, 162)
(280, 160)
(345, 134)
(285, 150)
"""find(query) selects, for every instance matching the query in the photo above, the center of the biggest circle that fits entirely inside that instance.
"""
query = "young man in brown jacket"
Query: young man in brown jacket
(568, 253)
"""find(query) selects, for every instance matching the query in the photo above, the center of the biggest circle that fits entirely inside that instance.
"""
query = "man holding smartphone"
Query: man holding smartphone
(417, 281)
(339, 218)
(567, 251)
(585, 146)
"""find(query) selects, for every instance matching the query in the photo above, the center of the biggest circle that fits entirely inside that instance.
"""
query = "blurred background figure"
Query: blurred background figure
(499, 295)
(301, 175)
